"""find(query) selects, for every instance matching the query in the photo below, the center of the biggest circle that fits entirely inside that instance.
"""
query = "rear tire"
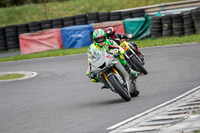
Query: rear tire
(119, 89)
(138, 65)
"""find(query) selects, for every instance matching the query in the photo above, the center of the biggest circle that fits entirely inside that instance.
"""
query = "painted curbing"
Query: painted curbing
(152, 109)
(26, 73)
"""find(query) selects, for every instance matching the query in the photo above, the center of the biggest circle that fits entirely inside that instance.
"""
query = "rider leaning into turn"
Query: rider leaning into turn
(110, 32)
(101, 42)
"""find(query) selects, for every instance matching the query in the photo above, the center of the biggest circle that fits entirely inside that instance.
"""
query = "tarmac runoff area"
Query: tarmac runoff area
(179, 115)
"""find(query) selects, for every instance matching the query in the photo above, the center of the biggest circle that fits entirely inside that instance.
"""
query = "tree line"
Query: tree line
(9, 3)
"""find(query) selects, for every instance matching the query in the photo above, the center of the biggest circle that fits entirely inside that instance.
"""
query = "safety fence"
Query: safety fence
(75, 31)
(77, 36)
(9, 35)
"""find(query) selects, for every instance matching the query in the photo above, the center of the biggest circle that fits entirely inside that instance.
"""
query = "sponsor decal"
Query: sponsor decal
(77, 35)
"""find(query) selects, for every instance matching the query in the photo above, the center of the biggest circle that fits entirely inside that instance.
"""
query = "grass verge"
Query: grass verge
(168, 41)
(11, 76)
(49, 53)
(36, 12)
(141, 43)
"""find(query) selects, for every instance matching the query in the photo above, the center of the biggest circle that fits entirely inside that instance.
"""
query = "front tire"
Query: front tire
(138, 65)
(123, 92)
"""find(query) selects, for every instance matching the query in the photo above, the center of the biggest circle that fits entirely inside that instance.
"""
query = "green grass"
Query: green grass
(50, 53)
(141, 43)
(36, 12)
(168, 41)
(11, 76)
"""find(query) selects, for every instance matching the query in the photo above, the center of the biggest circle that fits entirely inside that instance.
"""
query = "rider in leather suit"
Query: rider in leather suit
(101, 42)
(110, 32)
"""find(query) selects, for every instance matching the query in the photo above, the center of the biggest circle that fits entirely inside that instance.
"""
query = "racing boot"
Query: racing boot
(94, 78)
(139, 53)
(128, 69)
(131, 71)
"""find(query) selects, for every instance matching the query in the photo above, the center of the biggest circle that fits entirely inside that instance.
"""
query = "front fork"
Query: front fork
(129, 61)
(105, 80)
(136, 55)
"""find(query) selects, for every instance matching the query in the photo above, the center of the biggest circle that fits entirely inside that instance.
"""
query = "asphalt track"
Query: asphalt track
(61, 99)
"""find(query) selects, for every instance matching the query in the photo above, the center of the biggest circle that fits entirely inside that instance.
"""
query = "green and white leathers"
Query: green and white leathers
(101, 42)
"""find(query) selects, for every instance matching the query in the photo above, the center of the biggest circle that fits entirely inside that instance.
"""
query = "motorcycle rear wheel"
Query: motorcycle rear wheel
(123, 92)
(138, 65)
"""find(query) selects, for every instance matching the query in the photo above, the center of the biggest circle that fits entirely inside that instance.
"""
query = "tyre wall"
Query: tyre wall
(11, 37)
(2, 40)
(184, 23)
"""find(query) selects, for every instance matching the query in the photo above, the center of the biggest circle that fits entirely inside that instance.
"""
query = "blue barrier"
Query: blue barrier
(77, 36)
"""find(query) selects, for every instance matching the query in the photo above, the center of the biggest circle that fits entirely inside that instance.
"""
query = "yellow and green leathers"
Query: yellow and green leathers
(110, 44)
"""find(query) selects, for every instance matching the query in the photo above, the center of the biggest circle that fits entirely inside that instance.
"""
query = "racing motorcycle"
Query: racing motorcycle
(133, 59)
(113, 74)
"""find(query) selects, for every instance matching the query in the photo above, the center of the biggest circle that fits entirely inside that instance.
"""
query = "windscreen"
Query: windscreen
(96, 54)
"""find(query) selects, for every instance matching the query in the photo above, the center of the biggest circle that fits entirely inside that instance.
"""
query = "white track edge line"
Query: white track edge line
(152, 109)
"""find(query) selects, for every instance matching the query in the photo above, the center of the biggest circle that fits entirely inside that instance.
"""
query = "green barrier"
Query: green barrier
(158, 14)
(138, 27)
(132, 26)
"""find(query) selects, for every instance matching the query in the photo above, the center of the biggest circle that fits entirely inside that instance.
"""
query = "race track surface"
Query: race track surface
(61, 99)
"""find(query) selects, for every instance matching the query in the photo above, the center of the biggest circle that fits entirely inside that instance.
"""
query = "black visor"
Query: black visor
(100, 39)
(109, 35)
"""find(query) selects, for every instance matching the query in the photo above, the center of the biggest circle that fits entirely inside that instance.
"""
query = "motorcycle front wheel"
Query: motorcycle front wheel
(123, 92)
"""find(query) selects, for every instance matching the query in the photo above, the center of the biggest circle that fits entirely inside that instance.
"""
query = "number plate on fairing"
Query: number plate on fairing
(124, 45)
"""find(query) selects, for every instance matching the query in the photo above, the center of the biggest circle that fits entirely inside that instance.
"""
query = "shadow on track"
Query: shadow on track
(94, 104)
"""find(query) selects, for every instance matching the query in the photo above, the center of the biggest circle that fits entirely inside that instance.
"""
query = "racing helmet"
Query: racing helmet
(110, 32)
(99, 37)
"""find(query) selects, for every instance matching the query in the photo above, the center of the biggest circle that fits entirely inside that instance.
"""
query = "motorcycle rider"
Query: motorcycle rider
(101, 42)
(110, 32)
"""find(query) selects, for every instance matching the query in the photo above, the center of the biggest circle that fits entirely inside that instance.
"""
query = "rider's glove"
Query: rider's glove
(129, 36)
(116, 52)
(94, 78)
